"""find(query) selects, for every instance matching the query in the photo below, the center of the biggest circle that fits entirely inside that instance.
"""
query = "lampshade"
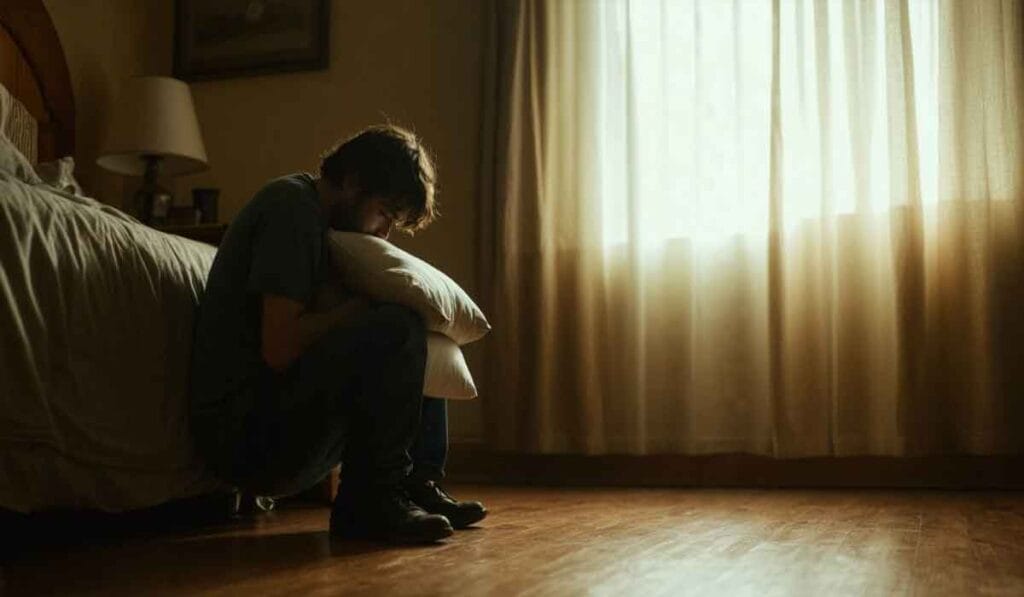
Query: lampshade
(154, 117)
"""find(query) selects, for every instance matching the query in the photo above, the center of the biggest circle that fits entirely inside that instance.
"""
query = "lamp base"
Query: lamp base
(152, 205)
(152, 201)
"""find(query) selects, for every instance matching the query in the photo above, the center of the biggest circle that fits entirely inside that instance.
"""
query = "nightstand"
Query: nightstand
(210, 234)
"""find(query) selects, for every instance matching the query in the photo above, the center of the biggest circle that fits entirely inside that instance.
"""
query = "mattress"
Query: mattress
(96, 322)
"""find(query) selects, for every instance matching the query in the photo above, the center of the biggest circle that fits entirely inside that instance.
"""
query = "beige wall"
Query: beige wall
(106, 41)
(412, 61)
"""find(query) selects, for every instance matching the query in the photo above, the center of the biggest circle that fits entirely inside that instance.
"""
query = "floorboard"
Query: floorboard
(570, 541)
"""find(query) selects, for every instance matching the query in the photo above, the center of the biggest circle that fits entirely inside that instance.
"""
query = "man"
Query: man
(281, 392)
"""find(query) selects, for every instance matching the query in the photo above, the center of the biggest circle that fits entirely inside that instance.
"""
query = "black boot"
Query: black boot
(386, 514)
(429, 496)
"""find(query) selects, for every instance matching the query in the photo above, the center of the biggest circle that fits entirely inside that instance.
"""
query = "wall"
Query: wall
(416, 63)
(106, 41)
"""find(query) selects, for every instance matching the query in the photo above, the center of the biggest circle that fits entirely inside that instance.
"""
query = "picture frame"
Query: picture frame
(216, 39)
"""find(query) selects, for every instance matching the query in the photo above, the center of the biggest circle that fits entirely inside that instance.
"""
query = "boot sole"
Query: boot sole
(469, 520)
(422, 536)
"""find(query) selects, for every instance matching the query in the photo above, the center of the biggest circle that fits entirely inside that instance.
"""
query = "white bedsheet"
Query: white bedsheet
(96, 316)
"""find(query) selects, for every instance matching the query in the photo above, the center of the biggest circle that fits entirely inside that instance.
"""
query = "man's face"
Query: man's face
(369, 215)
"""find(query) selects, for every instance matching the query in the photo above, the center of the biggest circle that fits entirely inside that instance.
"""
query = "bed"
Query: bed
(96, 314)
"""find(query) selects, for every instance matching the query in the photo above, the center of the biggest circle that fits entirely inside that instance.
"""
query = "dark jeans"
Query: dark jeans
(430, 450)
(354, 396)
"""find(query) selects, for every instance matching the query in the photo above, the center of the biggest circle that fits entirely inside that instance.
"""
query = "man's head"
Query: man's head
(378, 180)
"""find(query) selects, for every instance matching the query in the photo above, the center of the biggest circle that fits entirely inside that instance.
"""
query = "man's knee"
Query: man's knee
(398, 327)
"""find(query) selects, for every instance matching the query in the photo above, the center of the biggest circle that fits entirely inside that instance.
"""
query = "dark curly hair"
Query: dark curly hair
(390, 162)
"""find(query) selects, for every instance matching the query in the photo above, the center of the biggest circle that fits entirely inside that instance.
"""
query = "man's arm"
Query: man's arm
(287, 329)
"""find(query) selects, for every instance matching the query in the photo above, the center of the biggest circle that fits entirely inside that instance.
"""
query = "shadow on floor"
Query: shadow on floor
(28, 534)
(25, 535)
(146, 554)
(187, 565)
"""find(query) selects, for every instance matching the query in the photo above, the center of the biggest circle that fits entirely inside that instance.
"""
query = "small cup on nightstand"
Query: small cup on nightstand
(205, 202)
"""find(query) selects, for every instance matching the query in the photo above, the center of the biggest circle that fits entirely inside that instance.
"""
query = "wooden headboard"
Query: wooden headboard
(33, 68)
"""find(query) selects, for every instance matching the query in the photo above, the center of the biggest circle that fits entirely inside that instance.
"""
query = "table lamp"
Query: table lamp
(154, 130)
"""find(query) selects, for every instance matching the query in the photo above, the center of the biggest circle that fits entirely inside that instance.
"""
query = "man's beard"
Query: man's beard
(342, 217)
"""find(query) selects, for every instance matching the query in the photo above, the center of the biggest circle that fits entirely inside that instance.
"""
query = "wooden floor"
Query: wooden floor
(595, 541)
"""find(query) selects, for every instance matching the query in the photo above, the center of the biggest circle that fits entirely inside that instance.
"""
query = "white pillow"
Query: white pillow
(13, 162)
(12, 159)
(60, 174)
(374, 267)
(447, 375)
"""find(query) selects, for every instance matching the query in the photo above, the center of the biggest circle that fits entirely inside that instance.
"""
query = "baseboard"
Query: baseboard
(471, 462)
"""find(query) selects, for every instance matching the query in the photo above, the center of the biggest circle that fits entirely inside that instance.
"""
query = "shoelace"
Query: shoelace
(401, 498)
(440, 490)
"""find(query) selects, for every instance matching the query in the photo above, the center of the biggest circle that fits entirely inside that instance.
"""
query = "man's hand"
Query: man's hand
(329, 295)
(287, 329)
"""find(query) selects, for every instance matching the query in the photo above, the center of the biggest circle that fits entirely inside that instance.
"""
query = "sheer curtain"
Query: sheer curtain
(786, 227)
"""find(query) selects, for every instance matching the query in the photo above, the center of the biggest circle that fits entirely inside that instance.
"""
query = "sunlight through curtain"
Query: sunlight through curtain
(788, 227)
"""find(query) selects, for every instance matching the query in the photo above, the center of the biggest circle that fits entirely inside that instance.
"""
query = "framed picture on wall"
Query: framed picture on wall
(215, 39)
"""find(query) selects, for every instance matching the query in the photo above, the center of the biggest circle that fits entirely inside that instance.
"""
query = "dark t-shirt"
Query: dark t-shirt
(275, 245)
